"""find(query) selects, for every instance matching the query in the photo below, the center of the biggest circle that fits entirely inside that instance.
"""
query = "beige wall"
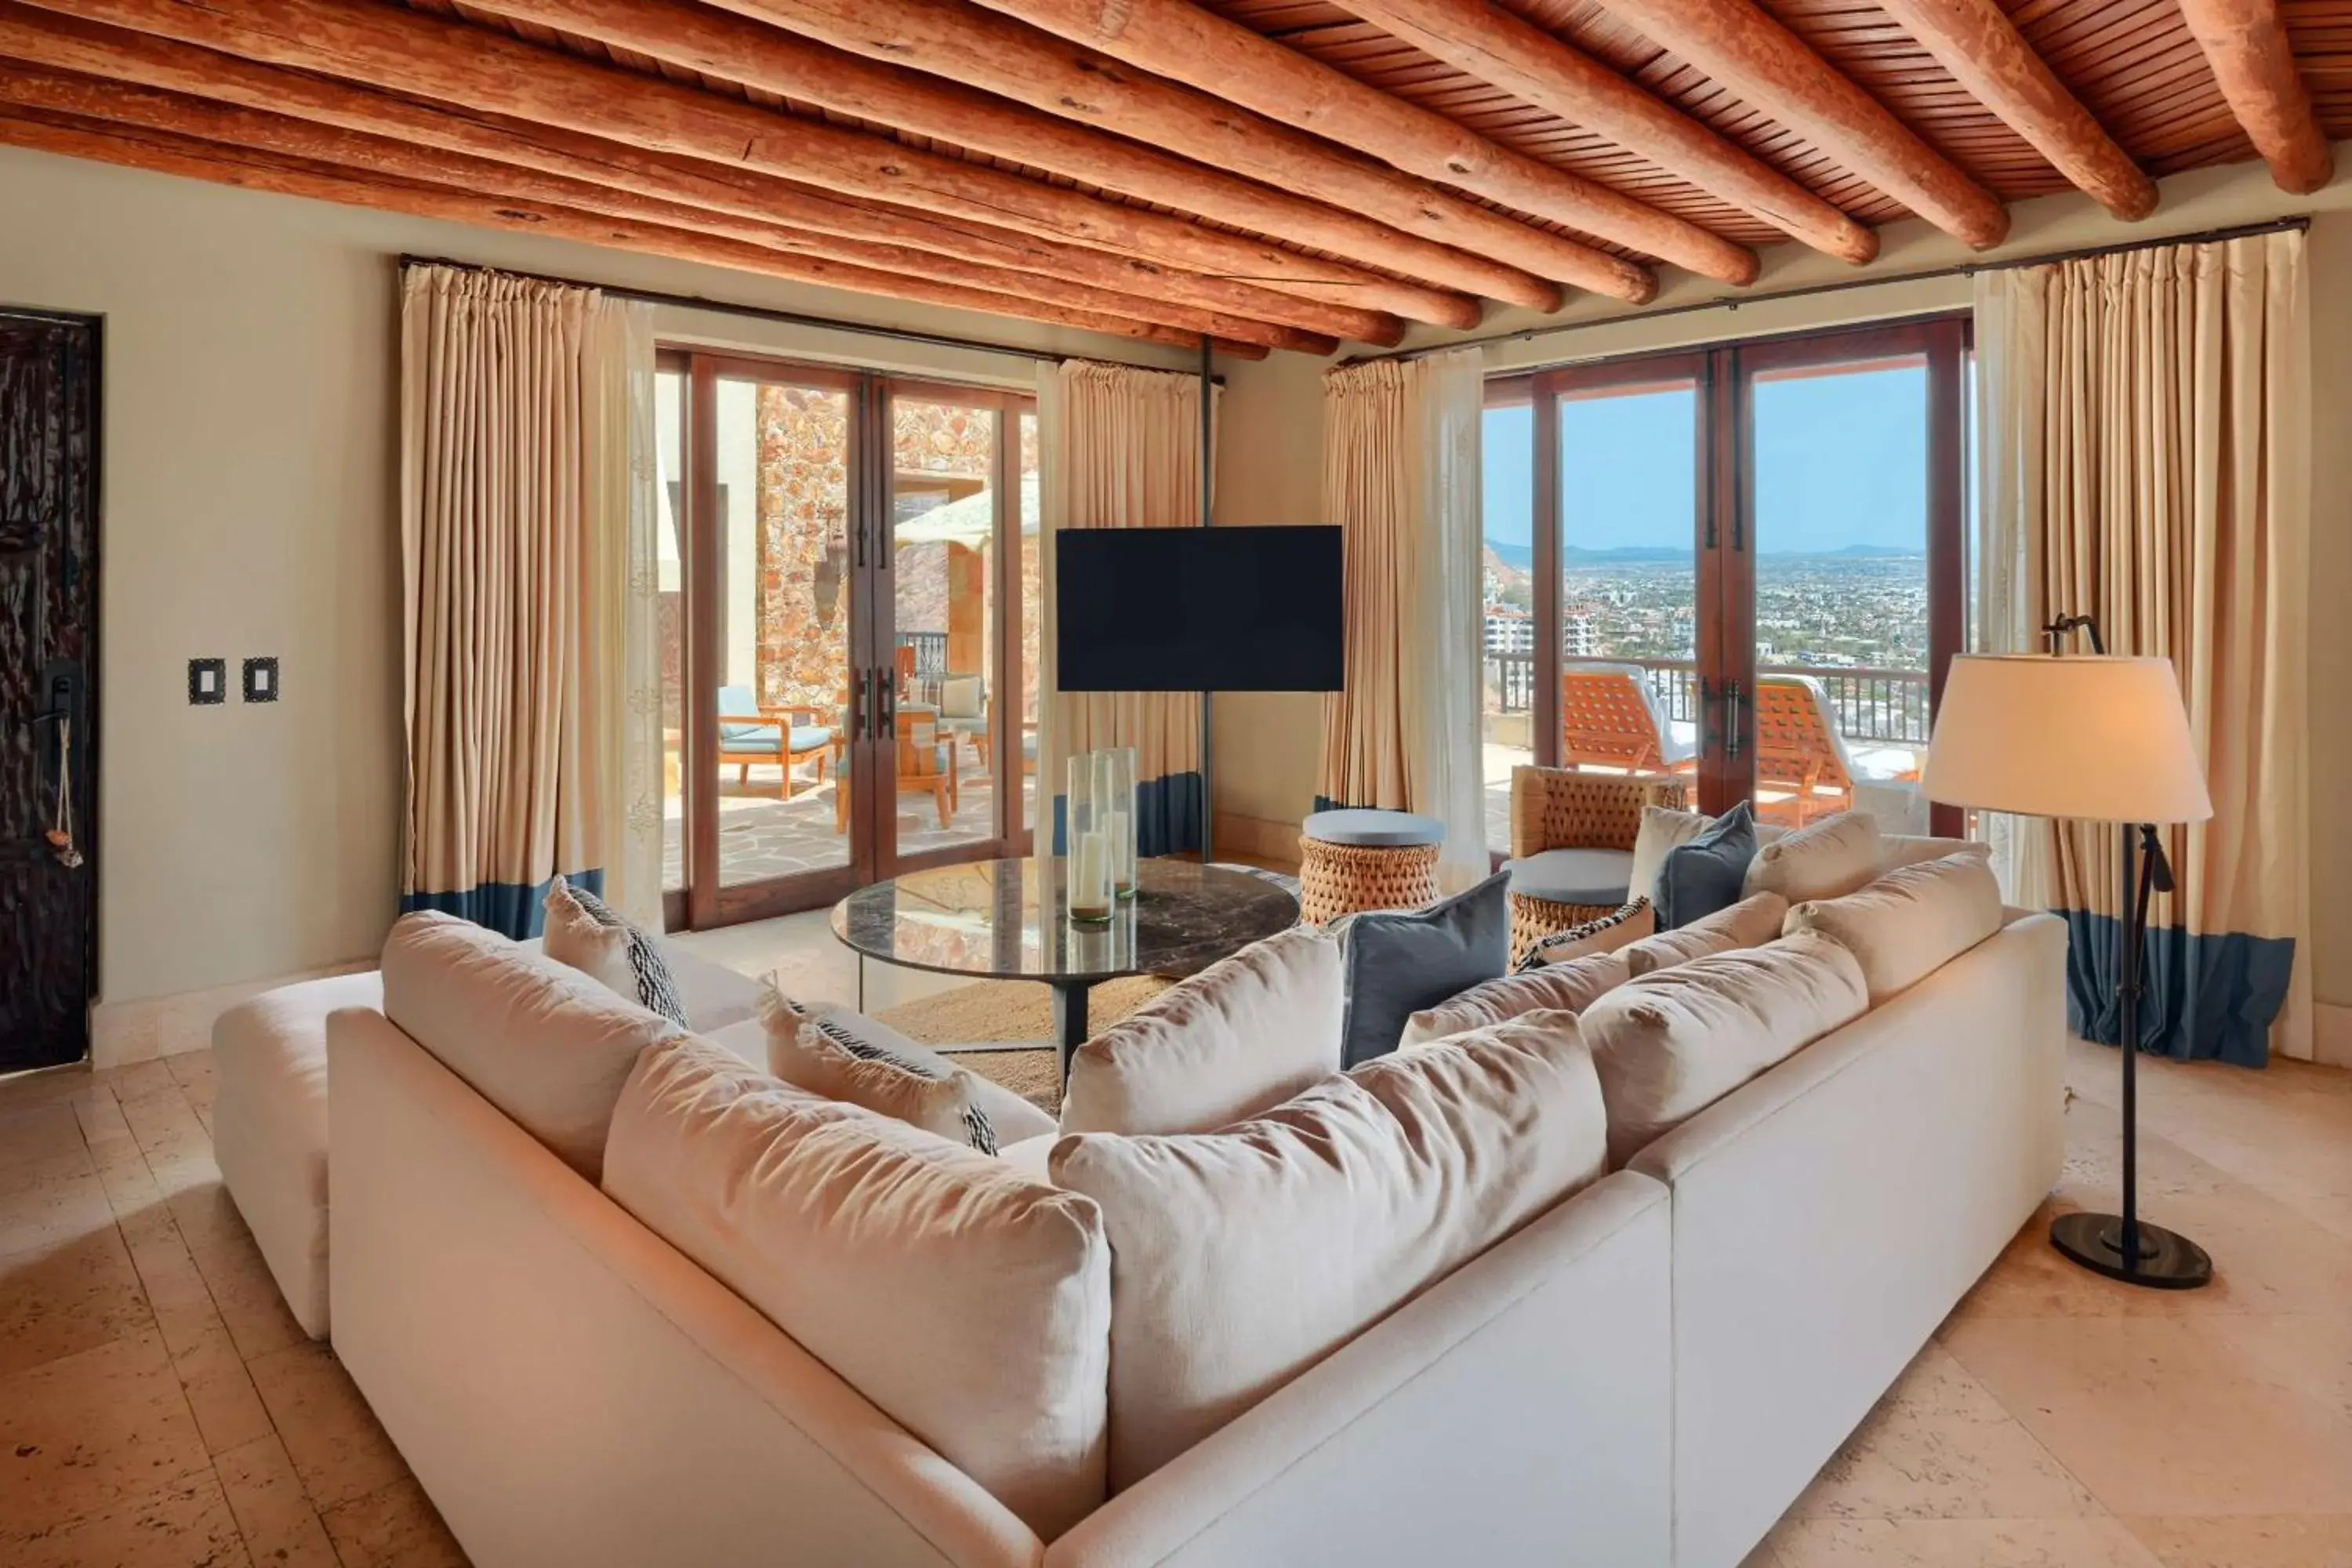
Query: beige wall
(249, 508)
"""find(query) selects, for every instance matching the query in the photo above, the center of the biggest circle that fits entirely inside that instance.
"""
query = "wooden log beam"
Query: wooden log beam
(165, 154)
(1497, 47)
(2246, 44)
(1756, 60)
(1398, 225)
(1065, 71)
(455, 63)
(1977, 42)
(124, 104)
(718, 192)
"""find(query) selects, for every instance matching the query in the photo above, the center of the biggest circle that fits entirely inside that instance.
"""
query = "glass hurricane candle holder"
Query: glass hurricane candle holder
(1090, 865)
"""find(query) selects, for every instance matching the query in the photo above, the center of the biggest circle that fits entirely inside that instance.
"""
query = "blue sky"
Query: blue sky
(1840, 460)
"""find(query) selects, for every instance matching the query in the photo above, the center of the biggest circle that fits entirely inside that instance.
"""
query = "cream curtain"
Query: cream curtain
(2147, 448)
(1117, 447)
(526, 511)
(1400, 475)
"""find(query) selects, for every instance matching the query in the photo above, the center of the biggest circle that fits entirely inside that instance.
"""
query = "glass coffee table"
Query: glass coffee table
(1007, 920)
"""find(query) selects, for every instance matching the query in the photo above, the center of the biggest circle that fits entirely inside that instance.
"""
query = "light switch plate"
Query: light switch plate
(261, 679)
(207, 682)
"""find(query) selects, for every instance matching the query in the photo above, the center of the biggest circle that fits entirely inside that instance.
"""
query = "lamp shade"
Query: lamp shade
(2100, 737)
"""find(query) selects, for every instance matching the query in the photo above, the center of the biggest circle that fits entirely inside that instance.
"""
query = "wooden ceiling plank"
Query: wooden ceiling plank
(1497, 47)
(193, 159)
(1422, 233)
(1244, 101)
(1754, 55)
(124, 103)
(722, 191)
(451, 62)
(2246, 42)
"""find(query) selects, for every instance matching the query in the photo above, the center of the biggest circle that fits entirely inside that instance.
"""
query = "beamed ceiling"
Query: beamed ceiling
(1272, 174)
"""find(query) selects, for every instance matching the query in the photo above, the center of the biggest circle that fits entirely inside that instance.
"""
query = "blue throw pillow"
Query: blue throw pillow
(1704, 875)
(1400, 961)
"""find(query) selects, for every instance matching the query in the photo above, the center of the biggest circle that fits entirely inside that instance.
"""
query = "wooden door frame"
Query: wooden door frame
(1723, 528)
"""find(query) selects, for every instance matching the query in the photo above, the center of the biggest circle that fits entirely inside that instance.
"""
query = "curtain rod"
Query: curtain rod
(1960, 270)
(767, 313)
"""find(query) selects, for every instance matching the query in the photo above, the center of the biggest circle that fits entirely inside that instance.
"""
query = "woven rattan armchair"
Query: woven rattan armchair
(1561, 808)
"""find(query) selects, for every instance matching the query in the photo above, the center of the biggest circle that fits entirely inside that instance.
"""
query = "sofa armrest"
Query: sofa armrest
(1517, 1411)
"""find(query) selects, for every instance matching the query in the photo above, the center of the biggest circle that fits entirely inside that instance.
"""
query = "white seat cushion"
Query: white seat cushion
(715, 995)
(540, 1040)
(1241, 1258)
(1244, 1035)
(1575, 876)
(1911, 921)
(269, 1127)
(970, 1302)
(1669, 1044)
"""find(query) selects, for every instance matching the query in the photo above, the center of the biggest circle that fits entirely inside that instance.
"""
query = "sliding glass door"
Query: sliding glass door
(1738, 566)
(841, 614)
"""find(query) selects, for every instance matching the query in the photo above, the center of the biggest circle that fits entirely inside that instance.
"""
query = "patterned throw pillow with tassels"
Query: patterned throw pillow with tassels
(584, 933)
(1607, 934)
(846, 1056)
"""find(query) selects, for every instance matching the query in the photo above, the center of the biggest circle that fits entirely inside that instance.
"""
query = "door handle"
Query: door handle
(887, 719)
(1734, 696)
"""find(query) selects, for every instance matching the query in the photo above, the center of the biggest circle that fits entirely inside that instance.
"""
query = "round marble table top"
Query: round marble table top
(1007, 920)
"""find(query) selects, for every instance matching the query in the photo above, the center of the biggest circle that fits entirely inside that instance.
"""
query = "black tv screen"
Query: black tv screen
(1198, 609)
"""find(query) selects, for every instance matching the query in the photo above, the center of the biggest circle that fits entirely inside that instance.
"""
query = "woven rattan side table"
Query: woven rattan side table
(1350, 860)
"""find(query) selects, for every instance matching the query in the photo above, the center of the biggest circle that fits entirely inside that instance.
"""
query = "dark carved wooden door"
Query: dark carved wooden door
(48, 708)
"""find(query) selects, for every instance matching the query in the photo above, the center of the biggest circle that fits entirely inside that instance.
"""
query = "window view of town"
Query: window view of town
(1841, 588)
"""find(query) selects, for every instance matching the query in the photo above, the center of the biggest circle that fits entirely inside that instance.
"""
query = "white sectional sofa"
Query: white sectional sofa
(1644, 1375)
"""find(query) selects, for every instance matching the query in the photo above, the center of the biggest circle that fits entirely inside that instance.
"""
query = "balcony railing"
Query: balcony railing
(1880, 707)
(931, 653)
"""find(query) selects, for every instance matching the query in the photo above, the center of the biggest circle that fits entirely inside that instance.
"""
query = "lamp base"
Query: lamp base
(2167, 1261)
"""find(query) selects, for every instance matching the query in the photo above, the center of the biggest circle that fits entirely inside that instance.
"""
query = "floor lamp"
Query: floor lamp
(2101, 738)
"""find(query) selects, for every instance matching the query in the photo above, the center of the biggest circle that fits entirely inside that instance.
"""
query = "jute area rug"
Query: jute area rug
(1014, 1010)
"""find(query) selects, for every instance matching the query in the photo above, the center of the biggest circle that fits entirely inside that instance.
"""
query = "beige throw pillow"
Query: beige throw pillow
(1621, 928)
(1662, 828)
(543, 1042)
(584, 933)
(1751, 922)
(1246, 1033)
(1910, 923)
(1241, 1258)
(1669, 1044)
(1569, 987)
(971, 1303)
(825, 1051)
(1908, 849)
(1824, 859)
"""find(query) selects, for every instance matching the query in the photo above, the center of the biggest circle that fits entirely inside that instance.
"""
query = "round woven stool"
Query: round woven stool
(1354, 859)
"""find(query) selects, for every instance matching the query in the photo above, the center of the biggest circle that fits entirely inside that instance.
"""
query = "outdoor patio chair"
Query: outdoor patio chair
(1609, 720)
(1802, 768)
(751, 732)
(927, 764)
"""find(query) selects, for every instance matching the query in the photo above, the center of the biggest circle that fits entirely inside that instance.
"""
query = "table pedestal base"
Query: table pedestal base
(1069, 1019)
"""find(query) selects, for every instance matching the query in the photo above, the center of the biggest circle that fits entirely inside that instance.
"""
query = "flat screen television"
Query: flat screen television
(1198, 609)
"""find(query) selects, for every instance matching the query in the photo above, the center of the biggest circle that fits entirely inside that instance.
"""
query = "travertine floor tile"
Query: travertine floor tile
(2163, 1416)
(37, 1133)
(394, 1528)
(1956, 1544)
(1939, 1446)
(184, 1525)
(69, 1296)
(84, 1433)
(328, 1431)
(281, 1529)
(234, 1270)
(54, 1199)
(2294, 1541)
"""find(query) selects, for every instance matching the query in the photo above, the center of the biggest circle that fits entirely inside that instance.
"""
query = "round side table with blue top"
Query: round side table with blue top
(1351, 860)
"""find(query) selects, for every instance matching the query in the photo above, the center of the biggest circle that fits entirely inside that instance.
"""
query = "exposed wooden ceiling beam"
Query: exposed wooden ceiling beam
(193, 159)
(2246, 44)
(1755, 59)
(452, 62)
(1977, 42)
(719, 193)
(1229, 65)
(358, 156)
(1382, 219)
(1499, 49)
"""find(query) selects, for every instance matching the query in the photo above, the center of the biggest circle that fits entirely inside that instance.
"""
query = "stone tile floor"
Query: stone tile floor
(763, 835)
(160, 1409)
